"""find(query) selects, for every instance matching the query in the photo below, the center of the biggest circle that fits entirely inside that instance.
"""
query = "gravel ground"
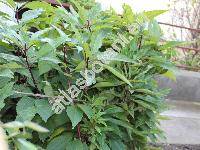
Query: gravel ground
(176, 147)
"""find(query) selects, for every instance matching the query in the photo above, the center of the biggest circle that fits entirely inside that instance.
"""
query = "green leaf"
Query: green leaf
(31, 14)
(26, 109)
(60, 143)
(120, 123)
(111, 55)
(40, 4)
(114, 109)
(8, 57)
(117, 74)
(43, 108)
(87, 110)
(76, 145)
(35, 127)
(74, 114)
(104, 84)
(154, 31)
(97, 39)
(6, 91)
(128, 14)
(14, 124)
(11, 65)
(154, 13)
(6, 73)
(48, 90)
(117, 145)
(23, 144)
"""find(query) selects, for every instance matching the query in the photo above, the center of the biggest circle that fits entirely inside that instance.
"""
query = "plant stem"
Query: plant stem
(31, 94)
(79, 131)
(140, 42)
(29, 68)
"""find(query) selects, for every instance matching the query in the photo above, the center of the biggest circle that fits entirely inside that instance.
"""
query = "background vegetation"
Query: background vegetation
(45, 49)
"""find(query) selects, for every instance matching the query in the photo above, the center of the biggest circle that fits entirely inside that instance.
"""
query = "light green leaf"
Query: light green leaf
(6, 73)
(35, 127)
(26, 109)
(11, 65)
(9, 57)
(14, 124)
(75, 115)
(97, 39)
(87, 110)
(128, 14)
(6, 91)
(23, 144)
(48, 90)
(31, 14)
(154, 31)
(40, 4)
(117, 74)
(154, 13)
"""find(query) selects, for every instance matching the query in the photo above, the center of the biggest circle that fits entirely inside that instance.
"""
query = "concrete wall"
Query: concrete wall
(186, 87)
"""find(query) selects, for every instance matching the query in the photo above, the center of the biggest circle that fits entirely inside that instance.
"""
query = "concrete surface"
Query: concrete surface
(186, 87)
(184, 124)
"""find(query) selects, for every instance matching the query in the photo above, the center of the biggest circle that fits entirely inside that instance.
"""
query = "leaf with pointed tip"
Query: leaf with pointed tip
(74, 114)
(35, 126)
(23, 144)
(87, 110)
(43, 108)
(117, 74)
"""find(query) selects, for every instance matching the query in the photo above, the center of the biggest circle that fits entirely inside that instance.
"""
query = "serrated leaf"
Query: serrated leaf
(35, 127)
(43, 108)
(87, 110)
(74, 114)
(26, 109)
(117, 74)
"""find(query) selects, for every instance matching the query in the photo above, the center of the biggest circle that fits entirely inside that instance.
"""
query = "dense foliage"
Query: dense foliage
(46, 51)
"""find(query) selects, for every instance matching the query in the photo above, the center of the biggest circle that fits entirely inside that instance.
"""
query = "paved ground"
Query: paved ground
(184, 124)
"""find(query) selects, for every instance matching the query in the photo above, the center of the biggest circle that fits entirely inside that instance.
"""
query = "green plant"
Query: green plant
(118, 109)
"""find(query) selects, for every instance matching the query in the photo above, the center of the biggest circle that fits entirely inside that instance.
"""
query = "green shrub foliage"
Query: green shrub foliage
(46, 51)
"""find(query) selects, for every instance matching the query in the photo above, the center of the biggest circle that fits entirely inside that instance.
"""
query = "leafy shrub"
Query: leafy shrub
(42, 55)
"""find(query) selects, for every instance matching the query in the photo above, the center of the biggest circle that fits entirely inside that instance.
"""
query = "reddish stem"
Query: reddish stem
(79, 131)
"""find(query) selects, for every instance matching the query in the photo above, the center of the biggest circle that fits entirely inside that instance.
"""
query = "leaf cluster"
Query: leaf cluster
(117, 110)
